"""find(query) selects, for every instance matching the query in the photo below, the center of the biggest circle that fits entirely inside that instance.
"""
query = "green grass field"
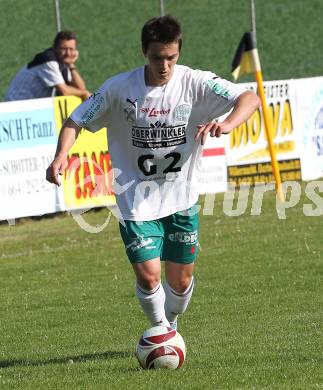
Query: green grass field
(69, 318)
(289, 34)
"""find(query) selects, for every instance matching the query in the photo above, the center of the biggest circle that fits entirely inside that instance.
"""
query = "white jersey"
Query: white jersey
(36, 82)
(151, 135)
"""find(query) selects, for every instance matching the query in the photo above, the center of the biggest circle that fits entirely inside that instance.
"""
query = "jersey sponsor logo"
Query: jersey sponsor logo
(154, 112)
(130, 110)
(132, 102)
(94, 96)
(139, 243)
(158, 135)
(184, 237)
(182, 112)
(217, 88)
(97, 101)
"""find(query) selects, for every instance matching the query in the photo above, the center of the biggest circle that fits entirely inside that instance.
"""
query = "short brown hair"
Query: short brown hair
(164, 29)
(65, 35)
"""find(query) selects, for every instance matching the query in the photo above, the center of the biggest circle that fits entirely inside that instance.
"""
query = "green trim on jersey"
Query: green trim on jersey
(173, 238)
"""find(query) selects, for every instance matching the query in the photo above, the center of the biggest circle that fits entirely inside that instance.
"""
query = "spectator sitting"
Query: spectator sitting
(51, 72)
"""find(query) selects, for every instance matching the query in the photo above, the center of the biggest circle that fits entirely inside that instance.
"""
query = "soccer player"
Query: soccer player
(158, 118)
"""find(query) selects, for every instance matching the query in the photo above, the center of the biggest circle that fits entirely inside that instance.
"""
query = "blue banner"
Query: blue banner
(24, 129)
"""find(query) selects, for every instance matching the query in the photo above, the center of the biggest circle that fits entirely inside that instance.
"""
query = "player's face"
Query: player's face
(66, 50)
(162, 58)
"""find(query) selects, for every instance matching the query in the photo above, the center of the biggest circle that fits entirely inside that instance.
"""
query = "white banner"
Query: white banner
(309, 96)
(212, 169)
(27, 144)
(24, 190)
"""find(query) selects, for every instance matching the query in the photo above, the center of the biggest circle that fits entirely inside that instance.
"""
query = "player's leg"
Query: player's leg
(143, 243)
(178, 287)
(180, 251)
(150, 291)
(148, 273)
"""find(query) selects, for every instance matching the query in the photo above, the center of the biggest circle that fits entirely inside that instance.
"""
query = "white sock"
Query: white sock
(152, 303)
(176, 303)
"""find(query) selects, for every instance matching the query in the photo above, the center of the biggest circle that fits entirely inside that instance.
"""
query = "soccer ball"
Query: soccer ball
(161, 347)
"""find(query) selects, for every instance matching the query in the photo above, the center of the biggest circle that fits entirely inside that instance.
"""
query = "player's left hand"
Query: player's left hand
(214, 128)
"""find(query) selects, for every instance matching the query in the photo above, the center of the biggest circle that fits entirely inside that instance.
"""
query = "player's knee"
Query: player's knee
(149, 281)
(181, 284)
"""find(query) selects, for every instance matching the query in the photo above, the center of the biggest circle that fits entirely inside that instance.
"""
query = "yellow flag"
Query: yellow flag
(246, 59)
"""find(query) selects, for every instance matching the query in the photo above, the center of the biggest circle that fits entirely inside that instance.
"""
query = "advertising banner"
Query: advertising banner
(28, 137)
(88, 179)
(29, 132)
(27, 143)
(212, 168)
(309, 96)
(247, 151)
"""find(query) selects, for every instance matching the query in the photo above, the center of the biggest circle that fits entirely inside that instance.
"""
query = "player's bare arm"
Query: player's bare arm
(66, 140)
(245, 106)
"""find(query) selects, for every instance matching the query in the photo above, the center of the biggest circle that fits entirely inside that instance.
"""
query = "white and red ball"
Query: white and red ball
(161, 347)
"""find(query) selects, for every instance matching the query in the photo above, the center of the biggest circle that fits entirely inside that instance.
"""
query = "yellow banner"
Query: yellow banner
(88, 178)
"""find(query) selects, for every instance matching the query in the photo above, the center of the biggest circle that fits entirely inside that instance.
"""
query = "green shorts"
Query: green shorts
(173, 238)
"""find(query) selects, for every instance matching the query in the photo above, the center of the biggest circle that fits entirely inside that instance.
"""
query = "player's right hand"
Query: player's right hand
(214, 128)
(55, 170)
